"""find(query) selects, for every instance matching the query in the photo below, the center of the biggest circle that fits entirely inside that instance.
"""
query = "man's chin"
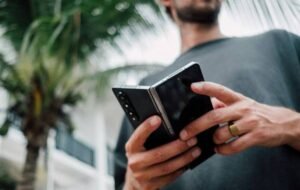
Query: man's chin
(203, 15)
(200, 11)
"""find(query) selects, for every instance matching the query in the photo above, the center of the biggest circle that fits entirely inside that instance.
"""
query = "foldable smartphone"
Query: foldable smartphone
(172, 99)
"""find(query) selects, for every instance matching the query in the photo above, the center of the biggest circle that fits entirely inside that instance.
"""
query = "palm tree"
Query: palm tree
(262, 15)
(53, 39)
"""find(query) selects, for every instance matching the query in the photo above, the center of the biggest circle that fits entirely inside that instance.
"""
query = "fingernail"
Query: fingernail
(197, 84)
(196, 153)
(154, 121)
(192, 142)
(184, 135)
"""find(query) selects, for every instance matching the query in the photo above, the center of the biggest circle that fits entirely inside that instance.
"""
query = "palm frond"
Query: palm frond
(89, 21)
(15, 17)
(262, 15)
(104, 79)
(5, 127)
(10, 79)
(3, 64)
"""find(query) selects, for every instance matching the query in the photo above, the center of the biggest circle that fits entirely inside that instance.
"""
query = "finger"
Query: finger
(212, 118)
(165, 180)
(240, 144)
(217, 103)
(222, 93)
(160, 154)
(169, 166)
(140, 135)
(244, 125)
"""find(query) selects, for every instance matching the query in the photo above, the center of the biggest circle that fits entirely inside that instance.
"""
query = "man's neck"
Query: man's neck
(195, 34)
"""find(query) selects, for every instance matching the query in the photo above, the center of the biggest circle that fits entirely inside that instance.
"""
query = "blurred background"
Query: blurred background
(58, 61)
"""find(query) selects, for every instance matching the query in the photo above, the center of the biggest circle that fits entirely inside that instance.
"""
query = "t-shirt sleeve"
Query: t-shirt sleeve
(120, 159)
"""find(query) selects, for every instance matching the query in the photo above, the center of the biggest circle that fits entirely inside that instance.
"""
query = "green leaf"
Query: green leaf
(67, 122)
(72, 98)
(103, 79)
(5, 127)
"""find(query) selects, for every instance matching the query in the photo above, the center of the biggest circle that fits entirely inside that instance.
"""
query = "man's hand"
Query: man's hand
(157, 167)
(257, 124)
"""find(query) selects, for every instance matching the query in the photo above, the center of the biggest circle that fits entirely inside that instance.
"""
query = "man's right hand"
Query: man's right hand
(155, 168)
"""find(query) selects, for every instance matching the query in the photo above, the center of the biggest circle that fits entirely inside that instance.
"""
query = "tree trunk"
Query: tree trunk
(29, 171)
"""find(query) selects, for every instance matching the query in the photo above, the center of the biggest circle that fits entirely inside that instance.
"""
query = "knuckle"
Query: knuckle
(251, 103)
(240, 96)
(128, 147)
(180, 145)
(159, 155)
(249, 106)
(260, 134)
(214, 116)
(166, 169)
(246, 110)
(133, 164)
(140, 177)
(234, 147)
(253, 121)
(218, 136)
(187, 158)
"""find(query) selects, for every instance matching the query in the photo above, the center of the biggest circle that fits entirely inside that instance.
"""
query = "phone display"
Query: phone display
(173, 100)
(180, 104)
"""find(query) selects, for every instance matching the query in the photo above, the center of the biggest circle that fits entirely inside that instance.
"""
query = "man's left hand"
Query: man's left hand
(257, 124)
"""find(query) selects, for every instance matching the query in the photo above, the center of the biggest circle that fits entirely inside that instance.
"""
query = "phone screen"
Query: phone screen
(181, 104)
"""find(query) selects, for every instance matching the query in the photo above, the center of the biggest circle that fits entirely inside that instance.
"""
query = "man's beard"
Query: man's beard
(194, 15)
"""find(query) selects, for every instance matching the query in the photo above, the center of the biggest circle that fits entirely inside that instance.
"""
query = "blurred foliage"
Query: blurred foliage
(53, 40)
(7, 182)
(89, 20)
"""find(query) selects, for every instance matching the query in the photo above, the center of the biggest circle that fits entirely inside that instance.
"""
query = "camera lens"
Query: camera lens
(134, 118)
(121, 95)
(127, 106)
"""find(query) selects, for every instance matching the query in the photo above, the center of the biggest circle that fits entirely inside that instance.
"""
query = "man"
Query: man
(262, 97)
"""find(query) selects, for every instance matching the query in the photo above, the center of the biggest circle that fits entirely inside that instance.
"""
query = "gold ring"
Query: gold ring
(233, 130)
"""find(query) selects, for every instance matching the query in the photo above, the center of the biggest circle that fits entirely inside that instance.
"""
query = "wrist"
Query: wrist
(128, 185)
(295, 133)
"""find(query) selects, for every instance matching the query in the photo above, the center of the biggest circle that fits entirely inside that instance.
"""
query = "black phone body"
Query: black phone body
(172, 99)
(139, 106)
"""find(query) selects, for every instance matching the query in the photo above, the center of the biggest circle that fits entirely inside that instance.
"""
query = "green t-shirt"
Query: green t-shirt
(266, 68)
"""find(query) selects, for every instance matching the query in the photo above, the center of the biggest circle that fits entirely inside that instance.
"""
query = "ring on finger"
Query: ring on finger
(233, 129)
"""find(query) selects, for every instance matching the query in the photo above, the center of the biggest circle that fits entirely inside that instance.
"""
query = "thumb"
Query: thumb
(140, 135)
